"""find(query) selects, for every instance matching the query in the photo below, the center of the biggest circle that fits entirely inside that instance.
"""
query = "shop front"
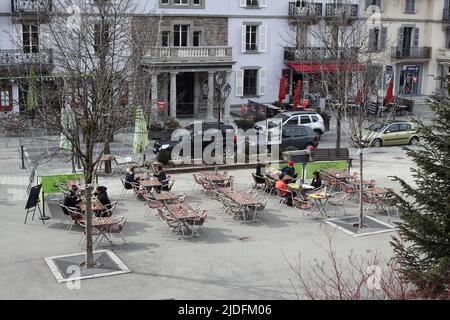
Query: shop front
(409, 79)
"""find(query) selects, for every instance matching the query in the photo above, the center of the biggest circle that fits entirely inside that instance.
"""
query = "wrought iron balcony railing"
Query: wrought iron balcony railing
(187, 54)
(319, 54)
(13, 59)
(31, 6)
(341, 10)
(423, 53)
(308, 10)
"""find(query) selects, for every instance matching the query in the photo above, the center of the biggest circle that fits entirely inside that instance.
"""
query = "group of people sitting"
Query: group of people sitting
(288, 176)
(72, 200)
(160, 174)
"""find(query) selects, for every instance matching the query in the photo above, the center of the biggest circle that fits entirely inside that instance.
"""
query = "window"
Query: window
(252, 3)
(305, 120)
(393, 128)
(377, 39)
(287, 133)
(165, 36)
(315, 119)
(410, 6)
(373, 3)
(250, 40)
(197, 39)
(405, 127)
(180, 35)
(447, 34)
(30, 38)
(166, 2)
(101, 37)
(250, 82)
(185, 2)
(6, 98)
(182, 3)
(292, 121)
(196, 2)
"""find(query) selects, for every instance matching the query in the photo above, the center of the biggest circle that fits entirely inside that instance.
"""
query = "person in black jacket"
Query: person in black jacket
(290, 170)
(103, 198)
(162, 177)
(71, 200)
(130, 178)
(316, 180)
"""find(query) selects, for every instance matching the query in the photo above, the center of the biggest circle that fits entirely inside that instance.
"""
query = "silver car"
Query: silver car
(309, 119)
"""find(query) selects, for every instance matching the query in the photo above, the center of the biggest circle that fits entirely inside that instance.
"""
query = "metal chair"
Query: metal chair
(338, 199)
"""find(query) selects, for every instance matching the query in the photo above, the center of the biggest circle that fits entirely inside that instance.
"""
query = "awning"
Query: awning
(325, 67)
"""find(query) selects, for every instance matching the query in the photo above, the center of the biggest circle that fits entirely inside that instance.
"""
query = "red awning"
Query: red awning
(326, 67)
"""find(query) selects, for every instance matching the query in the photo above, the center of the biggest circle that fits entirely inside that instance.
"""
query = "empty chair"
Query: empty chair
(258, 181)
(208, 186)
(75, 216)
(299, 204)
(338, 200)
(270, 185)
(198, 223)
(348, 189)
(151, 205)
(95, 234)
(118, 228)
(197, 179)
(181, 197)
(369, 200)
(168, 221)
(109, 212)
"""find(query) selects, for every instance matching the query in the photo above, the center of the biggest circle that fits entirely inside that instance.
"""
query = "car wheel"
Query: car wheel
(414, 141)
(377, 143)
(318, 133)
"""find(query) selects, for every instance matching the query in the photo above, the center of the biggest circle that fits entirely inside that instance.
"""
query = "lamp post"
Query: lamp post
(223, 92)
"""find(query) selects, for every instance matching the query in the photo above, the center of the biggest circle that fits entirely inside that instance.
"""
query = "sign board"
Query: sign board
(411, 68)
(33, 197)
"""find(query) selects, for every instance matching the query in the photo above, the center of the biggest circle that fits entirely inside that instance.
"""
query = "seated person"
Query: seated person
(71, 200)
(129, 177)
(316, 180)
(284, 191)
(290, 170)
(103, 198)
(162, 177)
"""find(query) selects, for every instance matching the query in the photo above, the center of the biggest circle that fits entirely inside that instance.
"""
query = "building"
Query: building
(201, 38)
(22, 48)
(416, 33)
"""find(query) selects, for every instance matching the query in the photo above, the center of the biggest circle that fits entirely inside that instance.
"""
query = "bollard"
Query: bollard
(22, 155)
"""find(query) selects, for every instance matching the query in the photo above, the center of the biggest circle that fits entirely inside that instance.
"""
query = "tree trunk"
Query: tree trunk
(361, 207)
(338, 132)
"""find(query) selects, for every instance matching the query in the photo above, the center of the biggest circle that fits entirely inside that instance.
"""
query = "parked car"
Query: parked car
(308, 118)
(389, 134)
(296, 136)
(209, 127)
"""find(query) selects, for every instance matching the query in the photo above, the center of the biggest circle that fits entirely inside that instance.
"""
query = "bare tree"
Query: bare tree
(93, 55)
(355, 277)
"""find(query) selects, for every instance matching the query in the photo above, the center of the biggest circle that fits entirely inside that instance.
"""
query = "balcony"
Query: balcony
(188, 55)
(19, 62)
(443, 54)
(316, 54)
(339, 10)
(31, 6)
(446, 15)
(412, 53)
(307, 11)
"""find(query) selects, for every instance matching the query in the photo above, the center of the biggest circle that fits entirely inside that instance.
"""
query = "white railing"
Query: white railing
(31, 5)
(443, 54)
(18, 57)
(188, 52)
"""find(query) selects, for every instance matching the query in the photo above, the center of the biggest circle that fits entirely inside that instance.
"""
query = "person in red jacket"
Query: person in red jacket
(284, 191)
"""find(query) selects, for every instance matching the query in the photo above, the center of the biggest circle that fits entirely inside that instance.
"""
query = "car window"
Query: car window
(405, 127)
(305, 120)
(393, 128)
(298, 132)
(292, 121)
(287, 133)
(315, 118)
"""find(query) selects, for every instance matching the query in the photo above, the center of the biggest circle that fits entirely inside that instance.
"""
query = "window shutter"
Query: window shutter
(262, 39)
(239, 83)
(446, 4)
(242, 3)
(263, 3)
(383, 39)
(262, 82)
(416, 37)
(400, 38)
(244, 37)
(372, 39)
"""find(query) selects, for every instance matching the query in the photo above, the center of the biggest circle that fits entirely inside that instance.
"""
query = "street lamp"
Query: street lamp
(223, 90)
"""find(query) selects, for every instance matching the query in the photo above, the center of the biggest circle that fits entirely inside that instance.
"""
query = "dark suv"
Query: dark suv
(209, 128)
(296, 136)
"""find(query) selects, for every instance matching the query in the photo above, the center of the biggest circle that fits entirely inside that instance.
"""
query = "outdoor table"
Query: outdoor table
(150, 183)
(182, 211)
(337, 174)
(378, 194)
(320, 201)
(165, 196)
(104, 158)
(357, 183)
(77, 183)
(294, 187)
(277, 177)
(214, 177)
(95, 206)
(242, 199)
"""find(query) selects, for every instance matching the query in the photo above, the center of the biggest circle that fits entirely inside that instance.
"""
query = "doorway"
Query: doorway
(409, 80)
(185, 94)
(406, 44)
